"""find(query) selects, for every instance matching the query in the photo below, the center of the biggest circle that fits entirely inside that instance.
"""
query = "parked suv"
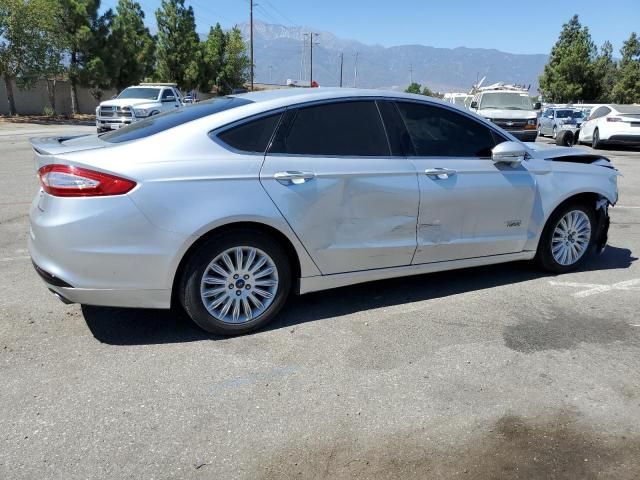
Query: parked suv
(135, 103)
(612, 124)
(552, 120)
(510, 109)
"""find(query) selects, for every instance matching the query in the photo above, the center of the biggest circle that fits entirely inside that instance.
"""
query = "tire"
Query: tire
(554, 133)
(545, 257)
(565, 138)
(540, 131)
(596, 144)
(193, 288)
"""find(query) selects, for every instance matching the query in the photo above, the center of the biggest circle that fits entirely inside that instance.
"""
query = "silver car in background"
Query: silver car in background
(226, 206)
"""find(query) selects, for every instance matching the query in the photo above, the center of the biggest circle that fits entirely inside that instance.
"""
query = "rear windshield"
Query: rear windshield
(172, 118)
(564, 113)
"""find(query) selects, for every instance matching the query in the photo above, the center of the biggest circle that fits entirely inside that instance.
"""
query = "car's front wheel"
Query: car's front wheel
(567, 238)
(236, 282)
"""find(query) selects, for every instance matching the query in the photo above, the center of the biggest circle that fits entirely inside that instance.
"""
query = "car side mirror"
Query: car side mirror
(474, 104)
(169, 99)
(537, 106)
(512, 153)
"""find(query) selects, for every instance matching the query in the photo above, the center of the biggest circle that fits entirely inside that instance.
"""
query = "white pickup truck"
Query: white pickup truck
(136, 103)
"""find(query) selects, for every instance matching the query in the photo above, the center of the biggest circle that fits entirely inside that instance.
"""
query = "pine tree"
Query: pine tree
(627, 87)
(132, 46)
(605, 70)
(213, 50)
(569, 74)
(236, 62)
(178, 47)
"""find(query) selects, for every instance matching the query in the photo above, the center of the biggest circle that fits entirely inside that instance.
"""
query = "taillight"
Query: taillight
(70, 181)
(613, 119)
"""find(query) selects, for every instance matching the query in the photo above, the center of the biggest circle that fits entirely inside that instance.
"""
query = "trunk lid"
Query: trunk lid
(46, 148)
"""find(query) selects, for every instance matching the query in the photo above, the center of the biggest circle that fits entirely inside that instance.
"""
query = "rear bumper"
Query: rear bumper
(102, 251)
(623, 139)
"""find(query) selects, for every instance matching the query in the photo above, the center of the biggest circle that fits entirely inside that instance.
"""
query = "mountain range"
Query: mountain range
(282, 53)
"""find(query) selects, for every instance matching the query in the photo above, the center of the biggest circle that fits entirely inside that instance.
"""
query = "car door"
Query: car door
(544, 122)
(586, 132)
(469, 206)
(169, 100)
(330, 172)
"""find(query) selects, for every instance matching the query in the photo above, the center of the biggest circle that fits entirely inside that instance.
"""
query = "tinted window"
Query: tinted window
(336, 129)
(167, 93)
(252, 136)
(600, 112)
(172, 118)
(398, 137)
(439, 132)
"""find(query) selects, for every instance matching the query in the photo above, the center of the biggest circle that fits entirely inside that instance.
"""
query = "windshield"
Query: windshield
(172, 118)
(506, 101)
(140, 92)
(564, 113)
(578, 114)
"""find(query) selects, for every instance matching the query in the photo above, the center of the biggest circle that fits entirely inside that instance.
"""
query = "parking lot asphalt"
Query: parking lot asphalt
(496, 372)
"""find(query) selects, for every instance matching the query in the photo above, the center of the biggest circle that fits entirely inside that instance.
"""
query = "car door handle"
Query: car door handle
(293, 177)
(439, 173)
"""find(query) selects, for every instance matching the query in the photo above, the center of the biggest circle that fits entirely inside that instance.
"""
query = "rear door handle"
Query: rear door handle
(293, 177)
(439, 173)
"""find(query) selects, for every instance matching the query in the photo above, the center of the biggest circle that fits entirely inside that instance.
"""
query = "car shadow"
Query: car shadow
(127, 326)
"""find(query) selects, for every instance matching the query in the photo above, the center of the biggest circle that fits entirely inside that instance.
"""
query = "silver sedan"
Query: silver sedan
(226, 206)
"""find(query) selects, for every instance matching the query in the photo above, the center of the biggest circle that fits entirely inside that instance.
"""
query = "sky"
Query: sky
(509, 26)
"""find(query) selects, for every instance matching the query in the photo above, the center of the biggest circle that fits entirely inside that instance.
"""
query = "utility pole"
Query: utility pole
(355, 71)
(341, 64)
(251, 4)
(411, 74)
(270, 72)
(311, 42)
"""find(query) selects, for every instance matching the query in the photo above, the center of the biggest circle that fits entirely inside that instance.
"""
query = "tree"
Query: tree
(86, 37)
(605, 71)
(23, 42)
(414, 88)
(178, 49)
(569, 74)
(236, 63)
(213, 50)
(132, 46)
(427, 91)
(627, 87)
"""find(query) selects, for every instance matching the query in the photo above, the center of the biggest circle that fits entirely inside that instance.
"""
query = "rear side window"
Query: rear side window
(172, 118)
(439, 132)
(252, 136)
(334, 129)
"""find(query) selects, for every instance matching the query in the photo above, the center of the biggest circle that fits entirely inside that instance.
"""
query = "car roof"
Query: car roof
(625, 108)
(296, 95)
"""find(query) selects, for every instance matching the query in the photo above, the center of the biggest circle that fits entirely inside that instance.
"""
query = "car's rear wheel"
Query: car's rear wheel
(595, 141)
(565, 138)
(236, 282)
(567, 238)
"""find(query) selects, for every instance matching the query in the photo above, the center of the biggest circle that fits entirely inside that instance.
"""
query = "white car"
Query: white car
(612, 124)
(136, 103)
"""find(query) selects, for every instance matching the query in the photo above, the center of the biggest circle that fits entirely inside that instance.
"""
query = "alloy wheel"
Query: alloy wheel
(571, 237)
(239, 284)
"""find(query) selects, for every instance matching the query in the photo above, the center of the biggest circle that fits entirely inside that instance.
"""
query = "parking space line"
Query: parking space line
(625, 207)
(12, 259)
(595, 288)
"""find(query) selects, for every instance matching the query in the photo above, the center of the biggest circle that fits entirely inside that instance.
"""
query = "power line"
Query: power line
(251, 38)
